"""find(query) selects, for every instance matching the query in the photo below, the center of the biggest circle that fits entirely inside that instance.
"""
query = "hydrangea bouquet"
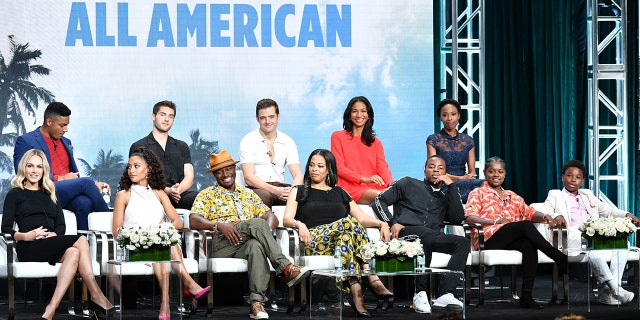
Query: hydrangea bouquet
(393, 248)
(607, 227)
(135, 238)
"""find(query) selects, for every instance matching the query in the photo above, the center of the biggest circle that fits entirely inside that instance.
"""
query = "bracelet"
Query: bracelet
(215, 227)
(495, 221)
(295, 224)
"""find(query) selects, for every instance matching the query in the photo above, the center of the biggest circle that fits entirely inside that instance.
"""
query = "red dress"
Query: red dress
(355, 160)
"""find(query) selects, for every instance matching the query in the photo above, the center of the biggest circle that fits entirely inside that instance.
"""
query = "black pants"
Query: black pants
(524, 237)
(435, 241)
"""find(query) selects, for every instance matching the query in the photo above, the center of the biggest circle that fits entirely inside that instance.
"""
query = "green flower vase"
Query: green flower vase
(394, 264)
(155, 253)
(600, 243)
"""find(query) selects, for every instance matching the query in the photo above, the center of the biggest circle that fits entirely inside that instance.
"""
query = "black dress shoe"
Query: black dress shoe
(529, 303)
(359, 314)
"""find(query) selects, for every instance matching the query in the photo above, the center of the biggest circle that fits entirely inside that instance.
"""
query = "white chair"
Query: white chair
(12, 269)
(100, 223)
(483, 258)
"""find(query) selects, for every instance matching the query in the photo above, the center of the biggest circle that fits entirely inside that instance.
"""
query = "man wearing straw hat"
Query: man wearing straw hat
(243, 227)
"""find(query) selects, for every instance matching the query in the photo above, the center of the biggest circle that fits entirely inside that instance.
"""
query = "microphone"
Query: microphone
(55, 147)
(269, 153)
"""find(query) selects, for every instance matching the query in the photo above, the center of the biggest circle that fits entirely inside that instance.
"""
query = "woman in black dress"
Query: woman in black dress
(33, 206)
(327, 218)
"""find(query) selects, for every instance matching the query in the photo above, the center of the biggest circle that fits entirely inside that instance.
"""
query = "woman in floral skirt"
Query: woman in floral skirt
(327, 218)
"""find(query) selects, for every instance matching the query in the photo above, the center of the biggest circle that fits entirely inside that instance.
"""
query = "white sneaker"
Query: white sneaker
(605, 297)
(447, 301)
(623, 296)
(421, 302)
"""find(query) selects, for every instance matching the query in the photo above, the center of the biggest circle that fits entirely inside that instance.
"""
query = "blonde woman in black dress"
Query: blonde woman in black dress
(33, 206)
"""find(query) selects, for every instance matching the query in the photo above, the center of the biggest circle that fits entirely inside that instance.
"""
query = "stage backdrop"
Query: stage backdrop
(111, 61)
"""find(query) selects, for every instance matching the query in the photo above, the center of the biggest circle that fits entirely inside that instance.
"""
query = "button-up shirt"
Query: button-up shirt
(484, 202)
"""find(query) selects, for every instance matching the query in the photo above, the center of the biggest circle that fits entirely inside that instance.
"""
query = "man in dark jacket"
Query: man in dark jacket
(420, 208)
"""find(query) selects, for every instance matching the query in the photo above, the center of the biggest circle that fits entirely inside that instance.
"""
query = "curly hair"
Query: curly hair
(45, 182)
(368, 135)
(155, 176)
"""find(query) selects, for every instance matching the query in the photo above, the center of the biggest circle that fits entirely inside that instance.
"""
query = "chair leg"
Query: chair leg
(12, 297)
(514, 283)
(210, 294)
(303, 296)
(481, 284)
(467, 284)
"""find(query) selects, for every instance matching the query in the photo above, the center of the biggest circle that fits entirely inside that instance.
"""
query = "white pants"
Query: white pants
(597, 258)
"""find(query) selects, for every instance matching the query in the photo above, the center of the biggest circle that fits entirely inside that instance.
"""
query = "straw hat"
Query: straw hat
(220, 160)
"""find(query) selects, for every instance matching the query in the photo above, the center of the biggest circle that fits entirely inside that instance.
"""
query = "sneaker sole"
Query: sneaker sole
(422, 312)
(297, 279)
(449, 307)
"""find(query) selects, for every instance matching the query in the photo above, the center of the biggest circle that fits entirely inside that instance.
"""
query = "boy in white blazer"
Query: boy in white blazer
(571, 207)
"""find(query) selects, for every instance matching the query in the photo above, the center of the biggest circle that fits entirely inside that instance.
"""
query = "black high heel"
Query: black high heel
(359, 314)
(98, 309)
(384, 296)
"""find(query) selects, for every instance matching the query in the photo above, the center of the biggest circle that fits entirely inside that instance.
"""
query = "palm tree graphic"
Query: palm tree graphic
(18, 94)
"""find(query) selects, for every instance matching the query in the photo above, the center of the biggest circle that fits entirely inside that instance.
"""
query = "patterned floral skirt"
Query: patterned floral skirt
(347, 233)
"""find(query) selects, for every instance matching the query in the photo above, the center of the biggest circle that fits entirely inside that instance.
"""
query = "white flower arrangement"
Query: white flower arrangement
(607, 227)
(393, 248)
(134, 238)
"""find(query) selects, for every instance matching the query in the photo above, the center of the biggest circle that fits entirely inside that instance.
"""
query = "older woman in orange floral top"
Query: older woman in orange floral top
(507, 223)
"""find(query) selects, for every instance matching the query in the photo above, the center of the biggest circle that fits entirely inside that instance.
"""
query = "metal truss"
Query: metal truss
(462, 63)
(608, 129)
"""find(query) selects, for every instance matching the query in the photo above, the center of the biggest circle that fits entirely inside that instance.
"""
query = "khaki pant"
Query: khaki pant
(257, 245)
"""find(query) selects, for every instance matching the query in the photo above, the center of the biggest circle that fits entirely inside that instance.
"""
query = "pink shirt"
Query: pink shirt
(577, 209)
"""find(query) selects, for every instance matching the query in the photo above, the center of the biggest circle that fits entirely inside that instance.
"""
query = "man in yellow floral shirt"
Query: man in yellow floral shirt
(244, 229)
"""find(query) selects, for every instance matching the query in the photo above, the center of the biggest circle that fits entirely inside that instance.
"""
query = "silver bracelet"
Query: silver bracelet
(295, 224)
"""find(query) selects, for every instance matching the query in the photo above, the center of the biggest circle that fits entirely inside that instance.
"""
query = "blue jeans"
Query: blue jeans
(82, 197)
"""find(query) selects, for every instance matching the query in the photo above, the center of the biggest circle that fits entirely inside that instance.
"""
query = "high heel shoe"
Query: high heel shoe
(356, 291)
(382, 296)
(200, 293)
(98, 309)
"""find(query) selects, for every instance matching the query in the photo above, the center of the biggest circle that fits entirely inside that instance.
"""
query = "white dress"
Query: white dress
(144, 208)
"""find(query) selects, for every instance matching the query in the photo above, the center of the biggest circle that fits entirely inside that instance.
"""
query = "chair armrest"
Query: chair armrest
(197, 240)
(206, 236)
(104, 239)
(8, 244)
(468, 227)
(290, 236)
